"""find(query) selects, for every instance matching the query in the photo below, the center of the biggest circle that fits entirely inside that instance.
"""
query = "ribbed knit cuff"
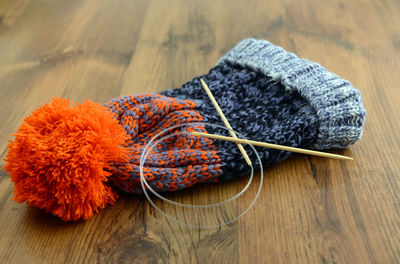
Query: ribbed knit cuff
(337, 103)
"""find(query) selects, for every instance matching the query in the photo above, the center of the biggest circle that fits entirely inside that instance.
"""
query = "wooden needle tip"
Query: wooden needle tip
(274, 146)
(348, 158)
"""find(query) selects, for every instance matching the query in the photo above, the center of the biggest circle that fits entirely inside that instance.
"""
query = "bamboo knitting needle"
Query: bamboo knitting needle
(221, 114)
(274, 146)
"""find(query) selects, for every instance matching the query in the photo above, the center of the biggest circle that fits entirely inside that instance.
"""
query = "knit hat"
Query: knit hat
(72, 163)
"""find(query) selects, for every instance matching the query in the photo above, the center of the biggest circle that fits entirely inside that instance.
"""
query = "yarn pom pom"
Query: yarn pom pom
(62, 156)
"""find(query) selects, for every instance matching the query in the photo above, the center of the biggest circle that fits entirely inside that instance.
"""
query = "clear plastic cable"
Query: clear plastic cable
(157, 139)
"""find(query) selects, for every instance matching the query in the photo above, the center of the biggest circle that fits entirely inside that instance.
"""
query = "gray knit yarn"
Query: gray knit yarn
(337, 103)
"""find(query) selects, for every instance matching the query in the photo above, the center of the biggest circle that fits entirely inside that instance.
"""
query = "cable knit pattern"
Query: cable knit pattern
(337, 103)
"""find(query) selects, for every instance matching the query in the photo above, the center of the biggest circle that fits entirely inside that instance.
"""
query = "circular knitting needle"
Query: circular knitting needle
(221, 114)
(274, 146)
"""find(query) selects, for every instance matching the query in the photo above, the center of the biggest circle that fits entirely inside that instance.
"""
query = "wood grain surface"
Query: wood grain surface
(311, 210)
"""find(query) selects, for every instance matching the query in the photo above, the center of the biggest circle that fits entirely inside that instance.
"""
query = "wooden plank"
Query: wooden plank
(326, 211)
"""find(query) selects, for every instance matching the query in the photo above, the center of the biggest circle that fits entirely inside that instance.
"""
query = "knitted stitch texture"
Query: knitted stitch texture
(176, 163)
(338, 105)
(257, 107)
(63, 160)
(266, 93)
(270, 95)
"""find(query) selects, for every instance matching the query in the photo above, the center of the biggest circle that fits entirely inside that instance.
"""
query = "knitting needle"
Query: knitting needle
(221, 114)
(274, 146)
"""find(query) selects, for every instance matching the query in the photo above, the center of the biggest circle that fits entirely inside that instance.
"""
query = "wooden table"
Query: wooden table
(311, 210)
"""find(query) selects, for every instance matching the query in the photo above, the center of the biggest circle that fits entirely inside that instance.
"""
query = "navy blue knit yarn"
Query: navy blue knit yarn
(257, 107)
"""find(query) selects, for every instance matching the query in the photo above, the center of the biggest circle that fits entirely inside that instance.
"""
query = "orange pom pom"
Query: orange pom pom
(62, 156)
